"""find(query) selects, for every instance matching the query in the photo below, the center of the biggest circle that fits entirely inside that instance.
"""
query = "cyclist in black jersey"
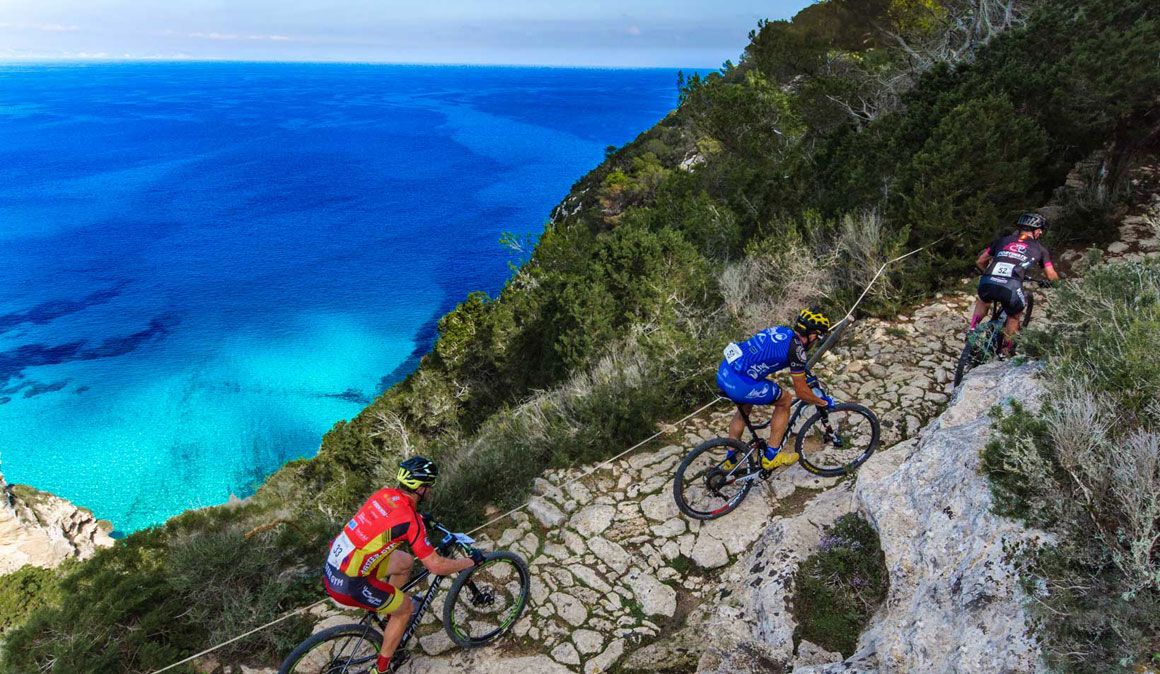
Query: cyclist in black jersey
(1004, 264)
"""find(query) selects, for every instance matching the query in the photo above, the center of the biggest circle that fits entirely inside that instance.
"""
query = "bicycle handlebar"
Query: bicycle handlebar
(450, 539)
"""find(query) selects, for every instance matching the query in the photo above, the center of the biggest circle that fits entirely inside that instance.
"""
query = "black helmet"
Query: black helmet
(812, 320)
(416, 472)
(1029, 222)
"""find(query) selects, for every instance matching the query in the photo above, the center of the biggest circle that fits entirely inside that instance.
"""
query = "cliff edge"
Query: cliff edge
(43, 530)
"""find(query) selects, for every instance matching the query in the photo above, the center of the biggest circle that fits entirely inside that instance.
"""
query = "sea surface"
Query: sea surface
(203, 267)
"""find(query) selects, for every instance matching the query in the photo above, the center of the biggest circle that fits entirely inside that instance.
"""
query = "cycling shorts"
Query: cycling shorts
(372, 593)
(741, 388)
(1009, 295)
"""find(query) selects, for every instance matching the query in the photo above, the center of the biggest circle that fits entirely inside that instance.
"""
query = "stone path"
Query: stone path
(620, 581)
(616, 569)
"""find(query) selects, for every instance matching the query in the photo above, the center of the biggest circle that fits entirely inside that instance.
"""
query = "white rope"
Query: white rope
(840, 326)
(883, 268)
(490, 522)
(211, 649)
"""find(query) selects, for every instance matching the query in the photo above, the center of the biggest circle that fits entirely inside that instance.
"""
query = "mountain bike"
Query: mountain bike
(831, 443)
(984, 342)
(483, 603)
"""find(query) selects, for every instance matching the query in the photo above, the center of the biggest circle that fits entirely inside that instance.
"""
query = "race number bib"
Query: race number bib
(1003, 269)
(339, 550)
(732, 353)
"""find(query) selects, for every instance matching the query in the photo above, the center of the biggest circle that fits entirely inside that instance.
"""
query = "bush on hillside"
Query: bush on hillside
(25, 591)
(838, 588)
(1087, 469)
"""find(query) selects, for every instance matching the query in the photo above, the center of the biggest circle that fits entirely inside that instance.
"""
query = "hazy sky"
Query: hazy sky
(690, 33)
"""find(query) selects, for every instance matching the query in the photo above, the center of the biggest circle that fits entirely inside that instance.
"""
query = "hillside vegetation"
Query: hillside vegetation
(1087, 469)
(839, 139)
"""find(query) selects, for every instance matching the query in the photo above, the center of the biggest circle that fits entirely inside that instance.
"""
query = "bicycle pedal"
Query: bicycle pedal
(400, 658)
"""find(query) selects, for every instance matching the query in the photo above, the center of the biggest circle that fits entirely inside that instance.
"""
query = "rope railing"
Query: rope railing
(832, 338)
(302, 609)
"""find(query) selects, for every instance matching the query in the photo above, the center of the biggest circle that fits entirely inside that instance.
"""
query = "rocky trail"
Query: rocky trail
(621, 582)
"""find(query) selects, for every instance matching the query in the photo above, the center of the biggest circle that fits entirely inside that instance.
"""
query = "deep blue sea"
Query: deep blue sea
(204, 266)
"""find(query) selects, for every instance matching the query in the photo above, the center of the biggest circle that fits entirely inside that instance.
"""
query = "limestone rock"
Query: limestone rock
(809, 653)
(654, 597)
(483, 661)
(41, 529)
(570, 608)
(593, 520)
(436, 642)
(587, 641)
(676, 654)
(545, 512)
(659, 507)
(610, 553)
(604, 661)
(955, 603)
(708, 552)
(566, 654)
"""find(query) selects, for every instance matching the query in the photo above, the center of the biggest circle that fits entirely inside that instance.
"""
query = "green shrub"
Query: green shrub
(1087, 469)
(25, 591)
(839, 587)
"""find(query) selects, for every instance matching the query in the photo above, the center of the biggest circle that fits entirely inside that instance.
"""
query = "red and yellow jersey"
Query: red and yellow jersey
(384, 522)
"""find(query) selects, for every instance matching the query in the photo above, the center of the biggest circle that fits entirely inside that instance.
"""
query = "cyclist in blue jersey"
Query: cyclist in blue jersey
(742, 378)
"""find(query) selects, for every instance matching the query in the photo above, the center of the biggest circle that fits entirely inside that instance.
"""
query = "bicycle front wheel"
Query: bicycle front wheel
(703, 489)
(485, 601)
(836, 441)
(343, 649)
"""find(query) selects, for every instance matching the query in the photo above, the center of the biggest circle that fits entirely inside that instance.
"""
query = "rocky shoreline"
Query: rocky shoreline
(40, 529)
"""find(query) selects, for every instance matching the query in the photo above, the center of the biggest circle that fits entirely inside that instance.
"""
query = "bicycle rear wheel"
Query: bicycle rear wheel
(704, 490)
(967, 360)
(1027, 310)
(343, 649)
(484, 602)
(836, 441)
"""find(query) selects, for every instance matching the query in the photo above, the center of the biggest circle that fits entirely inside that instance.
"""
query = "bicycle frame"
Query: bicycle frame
(756, 442)
(428, 597)
(420, 609)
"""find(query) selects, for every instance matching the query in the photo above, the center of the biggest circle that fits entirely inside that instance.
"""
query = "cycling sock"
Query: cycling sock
(383, 663)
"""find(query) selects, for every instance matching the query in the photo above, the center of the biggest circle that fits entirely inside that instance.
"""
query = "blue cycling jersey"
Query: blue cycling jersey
(768, 351)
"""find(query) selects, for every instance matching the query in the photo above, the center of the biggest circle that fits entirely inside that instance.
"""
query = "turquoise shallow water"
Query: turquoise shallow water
(204, 266)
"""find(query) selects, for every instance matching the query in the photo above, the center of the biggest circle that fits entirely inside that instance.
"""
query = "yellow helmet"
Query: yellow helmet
(812, 320)
(416, 472)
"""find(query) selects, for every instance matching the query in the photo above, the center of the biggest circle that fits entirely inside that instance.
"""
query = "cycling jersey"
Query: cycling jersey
(1011, 257)
(768, 351)
(355, 573)
(387, 520)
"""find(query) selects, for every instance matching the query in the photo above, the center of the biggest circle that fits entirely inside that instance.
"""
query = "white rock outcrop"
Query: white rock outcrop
(955, 602)
(43, 530)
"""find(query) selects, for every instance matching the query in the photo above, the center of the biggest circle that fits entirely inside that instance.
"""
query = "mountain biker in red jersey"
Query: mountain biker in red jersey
(1004, 264)
(365, 568)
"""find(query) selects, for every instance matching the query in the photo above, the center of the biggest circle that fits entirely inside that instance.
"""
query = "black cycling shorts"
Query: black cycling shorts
(1009, 296)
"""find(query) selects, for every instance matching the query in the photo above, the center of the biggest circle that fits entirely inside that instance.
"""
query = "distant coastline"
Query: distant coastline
(210, 273)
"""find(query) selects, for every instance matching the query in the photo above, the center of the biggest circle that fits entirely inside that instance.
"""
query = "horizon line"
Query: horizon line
(49, 60)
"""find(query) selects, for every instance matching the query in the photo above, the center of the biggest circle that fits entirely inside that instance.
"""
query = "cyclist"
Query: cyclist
(1004, 264)
(742, 378)
(365, 568)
